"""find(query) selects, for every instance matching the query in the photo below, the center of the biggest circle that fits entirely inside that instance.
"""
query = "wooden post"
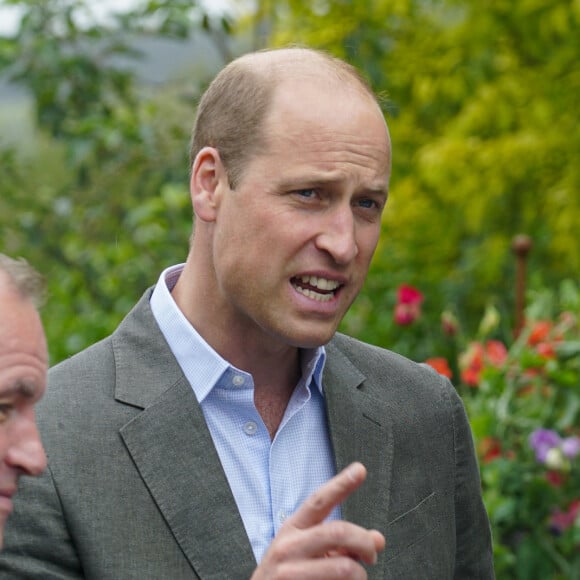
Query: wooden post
(521, 245)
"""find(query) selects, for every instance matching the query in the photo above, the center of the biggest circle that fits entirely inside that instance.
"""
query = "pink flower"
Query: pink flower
(408, 308)
(495, 353)
(409, 295)
(546, 350)
(560, 521)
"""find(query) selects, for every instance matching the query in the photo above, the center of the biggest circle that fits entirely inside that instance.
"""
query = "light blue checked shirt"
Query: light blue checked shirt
(269, 479)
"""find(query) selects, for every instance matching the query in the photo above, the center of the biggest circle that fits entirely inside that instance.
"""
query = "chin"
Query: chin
(311, 340)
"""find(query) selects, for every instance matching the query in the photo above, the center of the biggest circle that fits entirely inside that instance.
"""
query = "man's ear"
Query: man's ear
(208, 178)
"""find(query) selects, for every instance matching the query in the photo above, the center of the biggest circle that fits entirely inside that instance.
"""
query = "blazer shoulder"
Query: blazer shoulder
(369, 357)
(97, 362)
(388, 372)
(95, 356)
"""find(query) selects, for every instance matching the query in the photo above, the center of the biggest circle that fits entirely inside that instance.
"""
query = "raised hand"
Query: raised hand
(308, 548)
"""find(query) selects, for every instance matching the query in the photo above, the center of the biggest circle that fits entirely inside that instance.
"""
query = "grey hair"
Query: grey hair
(27, 282)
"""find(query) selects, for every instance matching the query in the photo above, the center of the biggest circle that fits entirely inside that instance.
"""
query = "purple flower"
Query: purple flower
(542, 440)
(571, 447)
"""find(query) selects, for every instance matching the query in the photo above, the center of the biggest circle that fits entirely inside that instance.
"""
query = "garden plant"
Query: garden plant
(523, 399)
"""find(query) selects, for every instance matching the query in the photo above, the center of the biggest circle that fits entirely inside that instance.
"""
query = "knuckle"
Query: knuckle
(339, 532)
(281, 549)
(347, 568)
(316, 502)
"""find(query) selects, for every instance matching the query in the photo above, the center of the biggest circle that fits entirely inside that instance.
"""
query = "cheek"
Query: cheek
(367, 243)
(4, 441)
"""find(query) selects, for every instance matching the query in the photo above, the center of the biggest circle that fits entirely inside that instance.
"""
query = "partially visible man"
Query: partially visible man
(23, 368)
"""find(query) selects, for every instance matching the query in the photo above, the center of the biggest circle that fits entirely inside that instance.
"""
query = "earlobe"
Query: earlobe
(207, 173)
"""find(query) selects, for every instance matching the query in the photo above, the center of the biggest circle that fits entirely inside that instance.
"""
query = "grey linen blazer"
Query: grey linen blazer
(135, 489)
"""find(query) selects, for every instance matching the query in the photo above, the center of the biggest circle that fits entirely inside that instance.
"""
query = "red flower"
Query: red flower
(495, 352)
(408, 308)
(546, 350)
(441, 365)
(489, 449)
(409, 295)
(472, 361)
(554, 478)
(561, 521)
(540, 331)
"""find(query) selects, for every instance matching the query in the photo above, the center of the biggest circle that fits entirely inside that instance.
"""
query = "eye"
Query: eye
(307, 193)
(371, 203)
(368, 204)
(5, 411)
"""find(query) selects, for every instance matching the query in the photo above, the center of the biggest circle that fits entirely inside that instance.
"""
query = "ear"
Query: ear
(208, 178)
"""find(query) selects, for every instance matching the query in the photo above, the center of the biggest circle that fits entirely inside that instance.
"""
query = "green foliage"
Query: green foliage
(99, 202)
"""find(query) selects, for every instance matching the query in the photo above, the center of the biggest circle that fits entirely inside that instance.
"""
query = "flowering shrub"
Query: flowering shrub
(524, 407)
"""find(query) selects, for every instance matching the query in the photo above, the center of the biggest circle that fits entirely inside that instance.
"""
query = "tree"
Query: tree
(99, 202)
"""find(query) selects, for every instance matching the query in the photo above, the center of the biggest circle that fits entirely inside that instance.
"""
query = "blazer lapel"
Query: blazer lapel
(172, 449)
(184, 475)
(360, 430)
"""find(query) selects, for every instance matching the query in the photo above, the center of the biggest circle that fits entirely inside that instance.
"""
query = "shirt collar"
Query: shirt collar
(201, 364)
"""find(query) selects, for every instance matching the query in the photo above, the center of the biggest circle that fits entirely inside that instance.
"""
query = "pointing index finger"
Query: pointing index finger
(321, 503)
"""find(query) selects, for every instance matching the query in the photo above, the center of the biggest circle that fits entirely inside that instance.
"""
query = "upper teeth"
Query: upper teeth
(320, 283)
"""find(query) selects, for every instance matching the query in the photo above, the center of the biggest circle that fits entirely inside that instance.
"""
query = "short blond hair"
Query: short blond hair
(231, 113)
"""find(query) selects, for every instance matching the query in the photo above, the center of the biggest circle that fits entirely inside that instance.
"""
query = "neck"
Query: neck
(273, 364)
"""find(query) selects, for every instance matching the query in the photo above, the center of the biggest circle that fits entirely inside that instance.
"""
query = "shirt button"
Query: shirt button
(238, 380)
(282, 516)
(250, 428)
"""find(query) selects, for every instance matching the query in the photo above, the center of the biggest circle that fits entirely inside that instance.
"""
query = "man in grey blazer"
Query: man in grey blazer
(23, 367)
(219, 432)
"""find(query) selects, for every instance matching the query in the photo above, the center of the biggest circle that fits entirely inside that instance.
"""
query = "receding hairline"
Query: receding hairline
(233, 111)
(20, 276)
(278, 64)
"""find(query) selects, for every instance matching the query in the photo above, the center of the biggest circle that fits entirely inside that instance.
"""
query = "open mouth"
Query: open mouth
(320, 289)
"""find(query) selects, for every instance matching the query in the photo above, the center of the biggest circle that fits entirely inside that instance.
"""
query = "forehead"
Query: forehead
(23, 352)
(322, 119)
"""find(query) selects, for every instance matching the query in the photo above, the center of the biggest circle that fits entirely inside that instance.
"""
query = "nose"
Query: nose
(26, 452)
(338, 235)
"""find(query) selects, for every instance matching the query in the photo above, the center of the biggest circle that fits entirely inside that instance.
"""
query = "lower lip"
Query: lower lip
(316, 306)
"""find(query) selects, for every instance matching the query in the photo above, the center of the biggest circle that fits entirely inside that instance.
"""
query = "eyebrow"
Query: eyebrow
(381, 191)
(303, 183)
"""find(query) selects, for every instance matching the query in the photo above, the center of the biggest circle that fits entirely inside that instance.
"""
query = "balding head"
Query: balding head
(232, 111)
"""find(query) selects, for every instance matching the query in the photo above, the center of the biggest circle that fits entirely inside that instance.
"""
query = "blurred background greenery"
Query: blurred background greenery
(97, 100)
(481, 99)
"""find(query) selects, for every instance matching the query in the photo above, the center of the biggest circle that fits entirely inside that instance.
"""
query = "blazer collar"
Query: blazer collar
(145, 366)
